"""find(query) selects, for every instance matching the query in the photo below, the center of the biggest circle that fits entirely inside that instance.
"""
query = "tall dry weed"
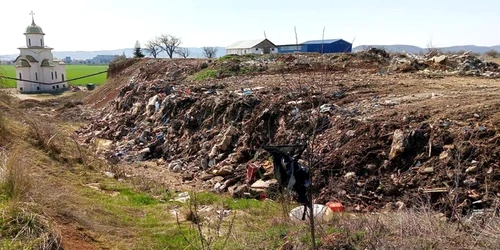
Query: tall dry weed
(15, 181)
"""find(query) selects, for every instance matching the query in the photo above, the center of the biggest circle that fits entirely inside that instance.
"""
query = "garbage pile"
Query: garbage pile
(466, 64)
(216, 136)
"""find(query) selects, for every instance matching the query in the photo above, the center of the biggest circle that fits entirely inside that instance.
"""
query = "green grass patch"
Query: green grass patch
(242, 57)
(246, 204)
(207, 198)
(72, 71)
(204, 74)
(138, 198)
(75, 71)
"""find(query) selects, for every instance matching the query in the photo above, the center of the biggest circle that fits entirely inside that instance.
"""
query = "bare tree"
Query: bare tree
(152, 47)
(169, 44)
(183, 52)
(432, 49)
(210, 52)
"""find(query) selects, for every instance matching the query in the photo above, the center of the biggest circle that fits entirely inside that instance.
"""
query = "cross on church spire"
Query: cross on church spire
(32, 17)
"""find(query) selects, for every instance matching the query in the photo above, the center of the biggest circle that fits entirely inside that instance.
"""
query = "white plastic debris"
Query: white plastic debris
(182, 197)
(321, 212)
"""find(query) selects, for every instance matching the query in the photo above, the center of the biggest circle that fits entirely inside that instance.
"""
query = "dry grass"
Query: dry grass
(409, 230)
(21, 225)
(21, 228)
(15, 181)
(44, 136)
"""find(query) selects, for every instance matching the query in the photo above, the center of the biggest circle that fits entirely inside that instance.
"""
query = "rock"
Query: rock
(217, 186)
(224, 171)
(428, 170)
(239, 191)
(228, 135)
(103, 145)
(444, 155)
(398, 144)
(151, 105)
(400, 205)
(142, 154)
(350, 133)
(440, 59)
(175, 166)
(177, 169)
(230, 182)
(472, 169)
(109, 174)
(328, 108)
(260, 184)
(204, 163)
(471, 182)
(477, 116)
(371, 167)
(187, 176)
(216, 179)
(206, 176)
(350, 175)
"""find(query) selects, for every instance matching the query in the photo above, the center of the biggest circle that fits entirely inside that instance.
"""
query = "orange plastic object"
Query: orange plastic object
(335, 206)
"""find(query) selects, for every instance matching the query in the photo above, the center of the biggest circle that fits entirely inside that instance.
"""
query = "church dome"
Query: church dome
(34, 29)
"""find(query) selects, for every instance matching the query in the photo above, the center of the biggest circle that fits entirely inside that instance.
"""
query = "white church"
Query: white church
(36, 69)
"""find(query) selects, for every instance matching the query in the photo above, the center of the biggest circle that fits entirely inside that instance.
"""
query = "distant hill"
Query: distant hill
(417, 50)
(129, 52)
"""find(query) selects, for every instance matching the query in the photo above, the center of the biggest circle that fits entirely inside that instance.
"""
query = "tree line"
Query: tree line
(170, 45)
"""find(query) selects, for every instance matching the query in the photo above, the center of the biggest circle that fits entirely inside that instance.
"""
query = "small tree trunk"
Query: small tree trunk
(311, 203)
(312, 224)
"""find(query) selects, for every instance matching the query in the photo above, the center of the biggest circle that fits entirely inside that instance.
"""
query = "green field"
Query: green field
(72, 71)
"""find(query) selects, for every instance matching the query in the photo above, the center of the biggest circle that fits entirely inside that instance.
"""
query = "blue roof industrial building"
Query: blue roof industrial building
(318, 46)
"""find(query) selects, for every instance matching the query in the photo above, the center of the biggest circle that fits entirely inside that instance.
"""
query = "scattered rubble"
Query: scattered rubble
(430, 64)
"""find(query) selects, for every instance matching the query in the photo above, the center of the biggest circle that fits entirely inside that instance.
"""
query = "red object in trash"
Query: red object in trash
(251, 169)
(262, 196)
(335, 206)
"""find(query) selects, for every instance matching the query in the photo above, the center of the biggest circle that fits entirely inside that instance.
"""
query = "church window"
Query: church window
(20, 76)
(64, 85)
(53, 87)
(57, 86)
(52, 74)
(37, 88)
(62, 77)
(56, 74)
(29, 42)
(36, 76)
(21, 88)
(41, 42)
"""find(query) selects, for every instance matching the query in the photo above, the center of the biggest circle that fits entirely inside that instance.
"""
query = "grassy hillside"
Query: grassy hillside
(72, 71)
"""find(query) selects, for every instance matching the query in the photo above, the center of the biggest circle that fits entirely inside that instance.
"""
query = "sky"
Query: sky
(115, 24)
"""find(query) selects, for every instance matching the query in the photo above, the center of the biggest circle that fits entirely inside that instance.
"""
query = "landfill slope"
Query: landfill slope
(385, 138)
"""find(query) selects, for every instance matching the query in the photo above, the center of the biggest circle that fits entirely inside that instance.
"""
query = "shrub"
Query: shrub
(492, 53)
(44, 136)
